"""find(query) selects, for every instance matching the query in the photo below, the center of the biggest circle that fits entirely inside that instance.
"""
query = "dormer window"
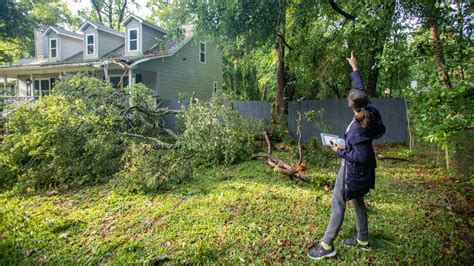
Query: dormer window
(202, 52)
(90, 44)
(53, 48)
(133, 39)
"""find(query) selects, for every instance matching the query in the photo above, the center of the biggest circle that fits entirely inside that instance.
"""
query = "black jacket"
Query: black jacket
(359, 176)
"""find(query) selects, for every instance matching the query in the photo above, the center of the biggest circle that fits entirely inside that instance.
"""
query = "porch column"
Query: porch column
(106, 72)
(17, 86)
(130, 81)
(32, 86)
(5, 85)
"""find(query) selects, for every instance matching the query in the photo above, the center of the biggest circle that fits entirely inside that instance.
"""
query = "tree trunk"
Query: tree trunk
(384, 33)
(97, 9)
(280, 62)
(110, 13)
(438, 56)
(373, 75)
(121, 13)
(432, 14)
(460, 6)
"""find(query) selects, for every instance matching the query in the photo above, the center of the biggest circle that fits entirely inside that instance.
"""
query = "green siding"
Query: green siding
(183, 73)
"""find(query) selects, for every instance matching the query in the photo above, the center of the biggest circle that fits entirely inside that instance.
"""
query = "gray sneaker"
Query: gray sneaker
(317, 252)
(352, 242)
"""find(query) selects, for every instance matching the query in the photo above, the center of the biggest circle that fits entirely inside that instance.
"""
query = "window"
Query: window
(215, 86)
(115, 81)
(53, 48)
(90, 44)
(133, 39)
(138, 78)
(202, 52)
(42, 87)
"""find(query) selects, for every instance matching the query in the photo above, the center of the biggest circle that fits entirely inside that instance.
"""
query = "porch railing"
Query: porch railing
(9, 104)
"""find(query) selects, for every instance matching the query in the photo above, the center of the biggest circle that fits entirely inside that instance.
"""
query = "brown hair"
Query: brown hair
(358, 101)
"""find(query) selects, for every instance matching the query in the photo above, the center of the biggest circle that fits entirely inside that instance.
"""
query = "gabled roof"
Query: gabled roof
(99, 26)
(62, 31)
(116, 54)
(142, 21)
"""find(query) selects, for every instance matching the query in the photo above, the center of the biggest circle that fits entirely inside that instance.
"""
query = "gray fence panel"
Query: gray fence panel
(337, 116)
(261, 110)
(170, 119)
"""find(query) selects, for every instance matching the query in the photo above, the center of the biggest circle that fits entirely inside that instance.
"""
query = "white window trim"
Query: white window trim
(128, 40)
(50, 48)
(39, 89)
(93, 44)
(205, 54)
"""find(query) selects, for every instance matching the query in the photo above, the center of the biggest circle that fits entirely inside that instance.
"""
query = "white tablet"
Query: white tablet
(326, 139)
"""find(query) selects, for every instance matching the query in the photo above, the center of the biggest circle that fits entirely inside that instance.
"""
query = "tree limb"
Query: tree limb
(340, 11)
(97, 8)
(284, 41)
(155, 140)
(281, 166)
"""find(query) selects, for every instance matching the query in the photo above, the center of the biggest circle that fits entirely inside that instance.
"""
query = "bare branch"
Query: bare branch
(284, 41)
(340, 11)
(154, 140)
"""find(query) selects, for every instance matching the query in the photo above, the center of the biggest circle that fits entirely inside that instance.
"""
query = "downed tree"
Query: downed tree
(281, 166)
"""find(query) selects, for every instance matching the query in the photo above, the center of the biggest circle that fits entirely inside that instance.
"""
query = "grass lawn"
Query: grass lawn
(244, 213)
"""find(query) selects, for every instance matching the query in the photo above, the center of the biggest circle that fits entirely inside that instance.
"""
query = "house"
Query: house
(124, 58)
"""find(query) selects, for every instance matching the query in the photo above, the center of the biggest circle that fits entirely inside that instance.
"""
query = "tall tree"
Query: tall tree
(248, 25)
(111, 12)
(433, 13)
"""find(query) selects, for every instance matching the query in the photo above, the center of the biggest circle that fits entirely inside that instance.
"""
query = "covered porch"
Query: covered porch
(27, 83)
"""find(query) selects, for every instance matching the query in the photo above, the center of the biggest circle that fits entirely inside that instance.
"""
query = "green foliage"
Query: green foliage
(216, 133)
(440, 113)
(77, 135)
(148, 169)
(64, 139)
(318, 156)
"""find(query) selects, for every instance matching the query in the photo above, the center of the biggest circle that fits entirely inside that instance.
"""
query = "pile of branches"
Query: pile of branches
(296, 171)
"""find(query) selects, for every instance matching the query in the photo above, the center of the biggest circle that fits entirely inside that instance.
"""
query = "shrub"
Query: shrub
(148, 169)
(216, 133)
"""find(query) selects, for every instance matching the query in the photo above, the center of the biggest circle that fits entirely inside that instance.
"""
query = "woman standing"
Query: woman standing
(357, 172)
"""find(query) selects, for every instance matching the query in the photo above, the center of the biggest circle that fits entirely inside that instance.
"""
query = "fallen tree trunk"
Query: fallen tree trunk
(281, 166)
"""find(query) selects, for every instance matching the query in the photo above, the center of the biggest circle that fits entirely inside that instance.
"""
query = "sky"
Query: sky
(76, 5)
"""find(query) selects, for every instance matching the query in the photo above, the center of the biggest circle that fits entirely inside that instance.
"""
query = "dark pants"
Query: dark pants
(338, 207)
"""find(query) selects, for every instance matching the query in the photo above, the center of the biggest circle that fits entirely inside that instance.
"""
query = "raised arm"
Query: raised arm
(355, 75)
